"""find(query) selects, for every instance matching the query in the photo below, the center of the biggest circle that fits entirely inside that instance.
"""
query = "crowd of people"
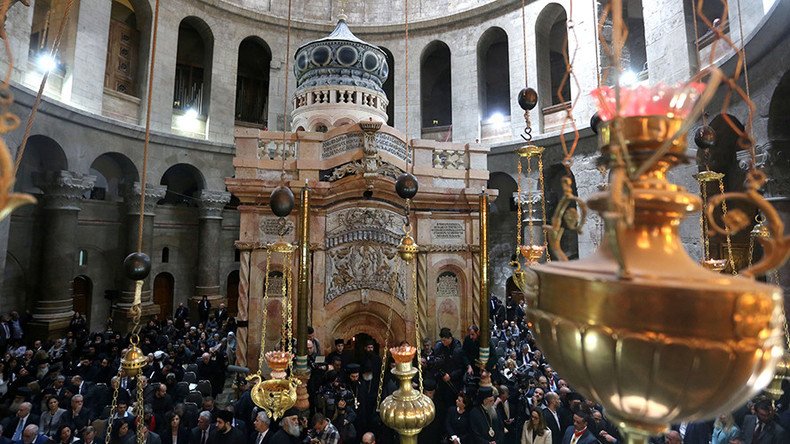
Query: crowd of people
(70, 390)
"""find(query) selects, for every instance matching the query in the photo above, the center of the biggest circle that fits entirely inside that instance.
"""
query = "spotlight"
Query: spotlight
(628, 78)
(191, 113)
(46, 63)
(497, 119)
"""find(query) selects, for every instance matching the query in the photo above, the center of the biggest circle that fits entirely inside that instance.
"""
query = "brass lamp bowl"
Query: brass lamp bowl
(403, 354)
(532, 253)
(133, 361)
(275, 396)
(667, 341)
(278, 362)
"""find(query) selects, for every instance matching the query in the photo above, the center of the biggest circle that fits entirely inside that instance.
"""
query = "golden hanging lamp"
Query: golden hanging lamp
(531, 251)
(407, 410)
(639, 325)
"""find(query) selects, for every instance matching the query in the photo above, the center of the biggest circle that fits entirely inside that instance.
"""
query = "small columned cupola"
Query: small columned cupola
(339, 80)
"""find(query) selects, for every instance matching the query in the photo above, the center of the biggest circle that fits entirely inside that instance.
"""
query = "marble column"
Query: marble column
(132, 194)
(63, 191)
(210, 231)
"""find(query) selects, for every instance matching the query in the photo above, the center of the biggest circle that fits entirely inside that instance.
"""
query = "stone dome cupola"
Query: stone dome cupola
(339, 80)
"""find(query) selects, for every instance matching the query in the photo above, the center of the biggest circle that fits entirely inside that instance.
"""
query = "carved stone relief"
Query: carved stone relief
(361, 246)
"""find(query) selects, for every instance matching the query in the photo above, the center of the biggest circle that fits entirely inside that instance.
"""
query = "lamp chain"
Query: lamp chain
(730, 257)
(393, 289)
(542, 183)
(418, 339)
(530, 205)
(519, 215)
(265, 316)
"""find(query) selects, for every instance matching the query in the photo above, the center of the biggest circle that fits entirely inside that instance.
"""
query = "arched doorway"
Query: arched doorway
(436, 92)
(163, 294)
(82, 293)
(233, 292)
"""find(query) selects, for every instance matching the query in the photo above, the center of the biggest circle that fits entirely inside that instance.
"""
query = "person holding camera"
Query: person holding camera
(324, 431)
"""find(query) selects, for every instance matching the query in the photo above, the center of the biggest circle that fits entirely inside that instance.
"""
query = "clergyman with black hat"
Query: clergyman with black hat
(485, 427)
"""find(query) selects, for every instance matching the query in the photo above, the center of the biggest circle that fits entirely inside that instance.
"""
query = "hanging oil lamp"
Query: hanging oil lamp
(531, 251)
(640, 326)
(407, 410)
(717, 265)
(278, 393)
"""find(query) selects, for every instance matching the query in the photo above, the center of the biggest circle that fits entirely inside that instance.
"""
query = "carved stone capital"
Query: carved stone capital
(153, 194)
(63, 189)
(212, 202)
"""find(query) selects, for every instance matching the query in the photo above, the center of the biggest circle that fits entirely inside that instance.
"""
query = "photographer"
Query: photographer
(323, 432)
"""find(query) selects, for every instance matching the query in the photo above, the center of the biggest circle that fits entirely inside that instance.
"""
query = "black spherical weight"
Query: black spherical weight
(595, 120)
(705, 137)
(527, 99)
(282, 201)
(406, 186)
(137, 266)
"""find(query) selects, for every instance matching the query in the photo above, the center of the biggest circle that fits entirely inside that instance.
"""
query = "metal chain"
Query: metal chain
(113, 406)
(266, 290)
(139, 410)
(751, 250)
(543, 206)
(519, 222)
(393, 289)
(730, 257)
(703, 188)
(530, 205)
(289, 321)
(417, 322)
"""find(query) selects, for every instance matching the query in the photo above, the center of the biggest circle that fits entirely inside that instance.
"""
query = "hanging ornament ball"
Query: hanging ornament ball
(137, 266)
(282, 201)
(406, 186)
(595, 120)
(705, 137)
(527, 99)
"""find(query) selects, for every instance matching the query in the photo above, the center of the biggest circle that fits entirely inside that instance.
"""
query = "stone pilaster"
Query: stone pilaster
(132, 195)
(61, 202)
(211, 205)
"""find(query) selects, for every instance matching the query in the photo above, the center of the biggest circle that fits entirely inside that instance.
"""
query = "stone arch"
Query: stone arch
(113, 172)
(319, 125)
(464, 301)
(436, 92)
(194, 55)
(184, 183)
(371, 318)
(343, 121)
(493, 73)
(551, 31)
(252, 81)
(42, 154)
(389, 86)
(128, 47)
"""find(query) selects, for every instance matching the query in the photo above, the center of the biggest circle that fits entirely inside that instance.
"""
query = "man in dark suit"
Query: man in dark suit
(222, 314)
(77, 416)
(507, 412)
(15, 427)
(202, 433)
(552, 417)
(762, 428)
(262, 433)
(204, 307)
(182, 314)
(225, 433)
(578, 433)
(484, 424)
(89, 436)
(31, 436)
